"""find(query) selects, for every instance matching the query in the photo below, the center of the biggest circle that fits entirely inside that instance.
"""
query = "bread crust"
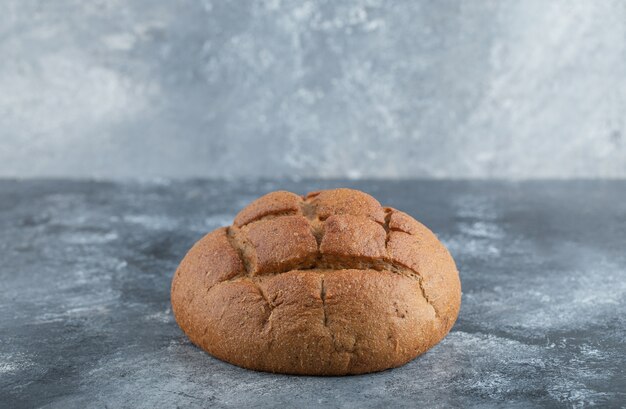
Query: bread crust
(330, 283)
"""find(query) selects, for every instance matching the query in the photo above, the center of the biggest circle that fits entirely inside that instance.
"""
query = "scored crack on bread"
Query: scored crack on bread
(330, 283)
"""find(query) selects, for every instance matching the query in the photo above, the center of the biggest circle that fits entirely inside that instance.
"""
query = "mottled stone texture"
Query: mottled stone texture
(358, 88)
(86, 319)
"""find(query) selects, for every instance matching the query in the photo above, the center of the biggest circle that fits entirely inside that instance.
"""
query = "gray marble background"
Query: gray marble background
(360, 88)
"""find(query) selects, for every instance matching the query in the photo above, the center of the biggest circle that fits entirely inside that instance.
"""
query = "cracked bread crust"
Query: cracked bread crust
(331, 283)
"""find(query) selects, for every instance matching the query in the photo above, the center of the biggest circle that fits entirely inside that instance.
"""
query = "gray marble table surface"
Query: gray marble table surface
(85, 271)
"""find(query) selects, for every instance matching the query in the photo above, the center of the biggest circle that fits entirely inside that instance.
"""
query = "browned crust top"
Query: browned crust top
(331, 229)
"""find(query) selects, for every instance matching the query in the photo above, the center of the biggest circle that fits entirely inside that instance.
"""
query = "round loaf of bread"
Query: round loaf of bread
(331, 283)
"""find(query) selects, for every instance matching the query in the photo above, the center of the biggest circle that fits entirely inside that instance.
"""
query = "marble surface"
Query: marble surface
(314, 88)
(86, 322)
